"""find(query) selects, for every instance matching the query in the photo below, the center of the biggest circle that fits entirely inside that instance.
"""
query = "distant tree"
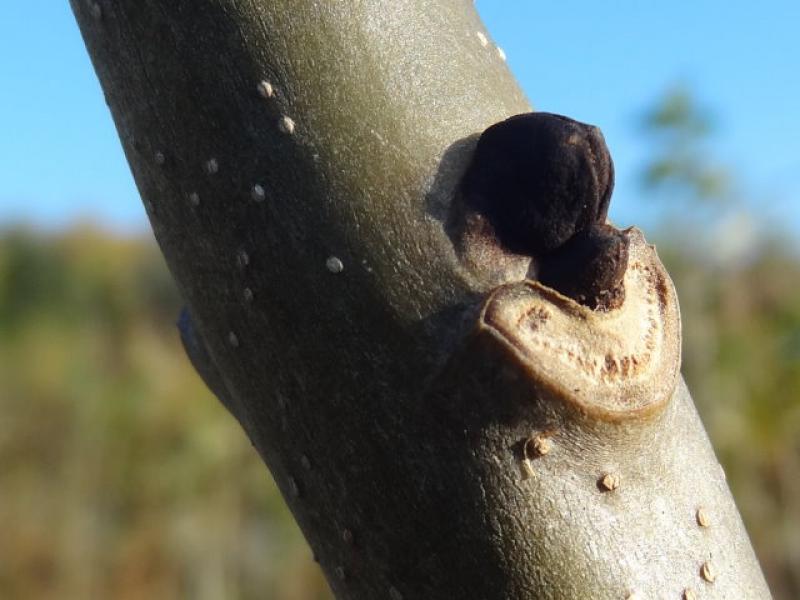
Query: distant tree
(677, 127)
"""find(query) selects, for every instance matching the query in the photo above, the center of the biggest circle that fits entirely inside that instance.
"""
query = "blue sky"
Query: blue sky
(600, 62)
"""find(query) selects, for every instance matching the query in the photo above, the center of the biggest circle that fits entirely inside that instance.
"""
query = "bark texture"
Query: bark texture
(298, 160)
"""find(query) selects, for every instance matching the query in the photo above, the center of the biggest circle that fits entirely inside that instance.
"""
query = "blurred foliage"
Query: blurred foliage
(681, 164)
(738, 280)
(120, 475)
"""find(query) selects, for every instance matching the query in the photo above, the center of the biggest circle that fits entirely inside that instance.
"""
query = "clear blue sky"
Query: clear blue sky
(600, 62)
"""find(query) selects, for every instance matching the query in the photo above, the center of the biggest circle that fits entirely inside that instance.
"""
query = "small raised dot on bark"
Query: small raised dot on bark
(242, 259)
(482, 39)
(688, 594)
(394, 594)
(340, 573)
(537, 446)
(347, 537)
(257, 193)
(703, 518)
(212, 166)
(293, 487)
(609, 482)
(194, 199)
(159, 158)
(708, 572)
(233, 339)
(305, 462)
(334, 265)
(95, 10)
(247, 294)
(286, 125)
(501, 53)
(265, 89)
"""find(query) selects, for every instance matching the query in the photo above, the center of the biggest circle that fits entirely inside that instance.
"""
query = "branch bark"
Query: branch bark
(300, 161)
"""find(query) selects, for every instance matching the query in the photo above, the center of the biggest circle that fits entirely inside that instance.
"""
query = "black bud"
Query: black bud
(590, 267)
(539, 179)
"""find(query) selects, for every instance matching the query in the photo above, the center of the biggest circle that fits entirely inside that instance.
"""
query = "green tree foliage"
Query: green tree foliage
(681, 165)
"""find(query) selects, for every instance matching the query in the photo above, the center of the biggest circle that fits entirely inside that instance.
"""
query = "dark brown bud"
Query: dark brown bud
(590, 267)
(541, 185)
(539, 179)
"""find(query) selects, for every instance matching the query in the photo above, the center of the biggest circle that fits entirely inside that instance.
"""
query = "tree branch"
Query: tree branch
(300, 162)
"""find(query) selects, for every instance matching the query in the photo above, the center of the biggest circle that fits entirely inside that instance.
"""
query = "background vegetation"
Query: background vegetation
(122, 477)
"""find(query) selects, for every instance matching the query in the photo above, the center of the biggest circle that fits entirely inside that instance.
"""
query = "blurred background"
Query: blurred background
(122, 477)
